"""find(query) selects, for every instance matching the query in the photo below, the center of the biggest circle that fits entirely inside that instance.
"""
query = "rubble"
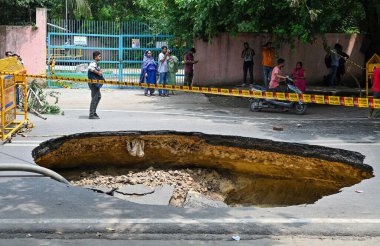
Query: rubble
(133, 185)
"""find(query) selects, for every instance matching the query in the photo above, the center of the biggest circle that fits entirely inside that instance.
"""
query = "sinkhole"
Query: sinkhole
(222, 170)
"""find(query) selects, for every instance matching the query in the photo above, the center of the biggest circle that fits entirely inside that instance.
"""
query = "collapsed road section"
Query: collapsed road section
(236, 171)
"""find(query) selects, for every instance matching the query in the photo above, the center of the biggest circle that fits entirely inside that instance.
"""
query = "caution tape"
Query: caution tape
(349, 60)
(358, 102)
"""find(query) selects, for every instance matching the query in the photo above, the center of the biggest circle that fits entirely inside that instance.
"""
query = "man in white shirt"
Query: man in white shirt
(95, 73)
(163, 70)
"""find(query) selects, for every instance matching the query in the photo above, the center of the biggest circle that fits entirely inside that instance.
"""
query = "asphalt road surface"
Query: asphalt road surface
(40, 208)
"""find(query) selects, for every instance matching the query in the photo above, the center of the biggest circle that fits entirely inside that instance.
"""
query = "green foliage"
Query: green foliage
(20, 12)
(80, 8)
(287, 20)
(38, 100)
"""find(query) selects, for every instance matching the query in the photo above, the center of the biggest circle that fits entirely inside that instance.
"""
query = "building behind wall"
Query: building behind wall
(27, 41)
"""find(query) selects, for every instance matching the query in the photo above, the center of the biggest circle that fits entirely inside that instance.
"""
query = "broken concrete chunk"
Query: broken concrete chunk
(197, 200)
(138, 189)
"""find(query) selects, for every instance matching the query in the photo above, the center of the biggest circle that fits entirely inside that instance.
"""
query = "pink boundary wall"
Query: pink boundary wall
(27, 41)
(220, 62)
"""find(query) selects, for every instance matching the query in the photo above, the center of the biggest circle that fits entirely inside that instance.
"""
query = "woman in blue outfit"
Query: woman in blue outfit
(148, 72)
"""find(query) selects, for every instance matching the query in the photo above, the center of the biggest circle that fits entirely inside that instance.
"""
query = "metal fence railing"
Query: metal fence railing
(122, 45)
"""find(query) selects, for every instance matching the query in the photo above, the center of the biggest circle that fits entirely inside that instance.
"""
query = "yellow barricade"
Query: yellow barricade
(16, 80)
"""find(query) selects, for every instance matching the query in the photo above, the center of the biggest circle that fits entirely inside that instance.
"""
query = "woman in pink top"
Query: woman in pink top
(299, 77)
(277, 74)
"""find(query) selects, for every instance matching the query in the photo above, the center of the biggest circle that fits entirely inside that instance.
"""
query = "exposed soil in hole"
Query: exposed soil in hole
(240, 171)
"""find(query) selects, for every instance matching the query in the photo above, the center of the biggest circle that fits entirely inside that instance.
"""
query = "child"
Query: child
(299, 77)
(95, 73)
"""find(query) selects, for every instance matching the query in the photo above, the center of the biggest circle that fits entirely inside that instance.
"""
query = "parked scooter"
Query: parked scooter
(257, 104)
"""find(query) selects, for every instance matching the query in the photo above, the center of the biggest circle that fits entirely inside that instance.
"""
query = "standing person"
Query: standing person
(189, 66)
(247, 54)
(163, 70)
(334, 63)
(342, 65)
(299, 77)
(268, 62)
(148, 72)
(172, 68)
(277, 75)
(95, 73)
(375, 89)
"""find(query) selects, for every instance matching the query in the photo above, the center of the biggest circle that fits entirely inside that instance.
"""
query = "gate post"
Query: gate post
(121, 49)
(48, 58)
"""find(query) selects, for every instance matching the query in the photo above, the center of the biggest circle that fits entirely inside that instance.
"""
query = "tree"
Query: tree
(23, 11)
(286, 20)
(20, 11)
(77, 9)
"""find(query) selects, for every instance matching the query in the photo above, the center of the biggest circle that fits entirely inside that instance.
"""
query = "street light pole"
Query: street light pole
(66, 16)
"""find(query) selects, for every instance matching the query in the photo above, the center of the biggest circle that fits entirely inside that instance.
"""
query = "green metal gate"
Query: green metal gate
(122, 45)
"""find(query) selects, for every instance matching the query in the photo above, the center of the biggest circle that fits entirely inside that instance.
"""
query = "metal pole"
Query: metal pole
(66, 16)
(34, 169)
(66, 26)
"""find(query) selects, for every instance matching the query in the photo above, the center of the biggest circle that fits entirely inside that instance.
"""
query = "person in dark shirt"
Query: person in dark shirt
(189, 67)
(342, 66)
(95, 73)
(335, 63)
(247, 54)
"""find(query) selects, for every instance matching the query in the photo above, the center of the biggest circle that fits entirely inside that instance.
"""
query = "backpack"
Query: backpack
(94, 76)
